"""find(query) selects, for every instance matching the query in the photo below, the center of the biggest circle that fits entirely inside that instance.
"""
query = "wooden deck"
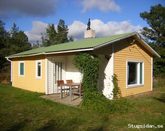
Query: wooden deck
(75, 101)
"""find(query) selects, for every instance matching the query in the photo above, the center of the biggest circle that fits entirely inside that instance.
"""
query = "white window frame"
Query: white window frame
(38, 61)
(138, 84)
(19, 73)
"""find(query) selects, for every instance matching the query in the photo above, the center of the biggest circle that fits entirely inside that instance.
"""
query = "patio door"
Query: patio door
(55, 71)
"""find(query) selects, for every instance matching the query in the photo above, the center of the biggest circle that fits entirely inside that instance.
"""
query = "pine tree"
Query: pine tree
(62, 30)
(53, 37)
(18, 40)
(156, 20)
(4, 42)
(155, 34)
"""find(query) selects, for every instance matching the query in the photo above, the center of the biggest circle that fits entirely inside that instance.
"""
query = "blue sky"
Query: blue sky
(108, 17)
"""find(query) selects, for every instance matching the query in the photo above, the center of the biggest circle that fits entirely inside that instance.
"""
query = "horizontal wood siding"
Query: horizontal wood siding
(125, 51)
(29, 80)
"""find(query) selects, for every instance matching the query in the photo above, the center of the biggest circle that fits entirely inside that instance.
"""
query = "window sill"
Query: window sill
(21, 75)
(38, 78)
(134, 86)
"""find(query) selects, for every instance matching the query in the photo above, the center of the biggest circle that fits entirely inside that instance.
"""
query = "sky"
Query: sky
(108, 17)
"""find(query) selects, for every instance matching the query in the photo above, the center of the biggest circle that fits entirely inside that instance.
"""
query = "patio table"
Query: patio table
(71, 86)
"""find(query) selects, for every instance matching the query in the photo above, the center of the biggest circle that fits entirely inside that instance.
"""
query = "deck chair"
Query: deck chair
(69, 81)
(61, 87)
(79, 92)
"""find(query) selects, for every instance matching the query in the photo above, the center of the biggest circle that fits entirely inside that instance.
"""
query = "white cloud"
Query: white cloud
(34, 34)
(77, 28)
(102, 5)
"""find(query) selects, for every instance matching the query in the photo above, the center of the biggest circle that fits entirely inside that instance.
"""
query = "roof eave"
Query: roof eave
(50, 53)
(147, 46)
(69, 51)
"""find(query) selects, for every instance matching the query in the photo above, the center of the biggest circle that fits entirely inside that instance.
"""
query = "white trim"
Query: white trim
(51, 53)
(11, 70)
(10, 57)
(138, 68)
(38, 61)
(19, 68)
(69, 51)
(113, 59)
(151, 73)
(46, 76)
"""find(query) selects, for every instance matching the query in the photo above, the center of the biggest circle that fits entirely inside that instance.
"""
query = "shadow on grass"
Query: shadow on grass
(17, 126)
(50, 126)
(161, 98)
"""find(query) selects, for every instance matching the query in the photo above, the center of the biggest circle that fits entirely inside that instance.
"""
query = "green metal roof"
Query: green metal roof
(75, 45)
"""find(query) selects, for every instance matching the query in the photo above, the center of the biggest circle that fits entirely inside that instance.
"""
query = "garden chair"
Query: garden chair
(61, 87)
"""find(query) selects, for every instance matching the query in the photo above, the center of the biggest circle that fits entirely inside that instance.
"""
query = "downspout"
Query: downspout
(11, 70)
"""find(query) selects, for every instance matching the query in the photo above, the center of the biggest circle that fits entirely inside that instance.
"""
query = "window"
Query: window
(38, 69)
(21, 69)
(134, 73)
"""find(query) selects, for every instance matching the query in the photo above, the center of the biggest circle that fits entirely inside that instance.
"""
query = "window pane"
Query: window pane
(132, 73)
(21, 68)
(39, 69)
(141, 75)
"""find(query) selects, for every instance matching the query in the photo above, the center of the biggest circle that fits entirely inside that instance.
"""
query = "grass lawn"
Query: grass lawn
(23, 110)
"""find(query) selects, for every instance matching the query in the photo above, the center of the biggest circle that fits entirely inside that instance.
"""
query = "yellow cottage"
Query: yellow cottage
(125, 55)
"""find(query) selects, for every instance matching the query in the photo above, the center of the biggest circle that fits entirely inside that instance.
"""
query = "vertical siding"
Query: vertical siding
(125, 51)
(29, 80)
(50, 79)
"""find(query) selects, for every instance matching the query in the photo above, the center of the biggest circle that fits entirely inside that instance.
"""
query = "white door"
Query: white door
(55, 72)
(58, 74)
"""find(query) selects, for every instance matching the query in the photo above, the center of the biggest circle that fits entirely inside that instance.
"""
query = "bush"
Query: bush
(97, 102)
(116, 90)
(159, 82)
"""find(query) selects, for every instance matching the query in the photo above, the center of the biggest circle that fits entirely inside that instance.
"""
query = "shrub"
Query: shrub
(116, 90)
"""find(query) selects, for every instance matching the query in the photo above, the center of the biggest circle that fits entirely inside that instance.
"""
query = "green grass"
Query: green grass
(23, 110)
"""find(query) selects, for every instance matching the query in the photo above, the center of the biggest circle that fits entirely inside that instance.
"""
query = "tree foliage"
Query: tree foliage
(18, 40)
(156, 21)
(155, 34)
(4, 43)
(62, 30)
(159, 63)
(54, 36)
(11, 42)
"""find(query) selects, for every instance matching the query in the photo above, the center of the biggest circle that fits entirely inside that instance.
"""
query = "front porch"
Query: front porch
(62, 67)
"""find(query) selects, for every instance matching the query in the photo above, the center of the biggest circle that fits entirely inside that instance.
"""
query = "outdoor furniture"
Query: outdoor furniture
(80, 92)
(73, 87)
(69, 81)
(69, 85)
(60, 83)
